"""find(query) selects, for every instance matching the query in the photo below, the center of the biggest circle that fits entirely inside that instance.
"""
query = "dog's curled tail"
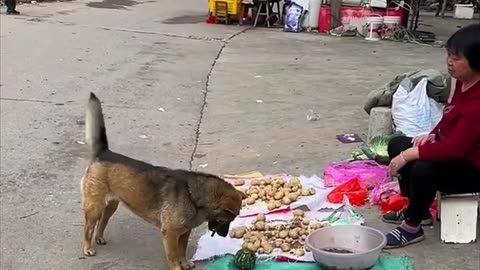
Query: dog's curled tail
(95, 132)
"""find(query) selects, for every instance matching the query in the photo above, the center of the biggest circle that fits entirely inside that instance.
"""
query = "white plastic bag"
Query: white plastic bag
(413, 112)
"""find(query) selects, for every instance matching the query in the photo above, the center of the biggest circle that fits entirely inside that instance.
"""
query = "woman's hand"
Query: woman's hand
(397, 164)
(423, 139)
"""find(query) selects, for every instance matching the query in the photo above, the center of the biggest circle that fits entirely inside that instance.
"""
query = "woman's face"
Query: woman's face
(458, 67)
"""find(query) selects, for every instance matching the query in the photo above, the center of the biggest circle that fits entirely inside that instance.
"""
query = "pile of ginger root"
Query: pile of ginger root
(263, 238)
(276, 192)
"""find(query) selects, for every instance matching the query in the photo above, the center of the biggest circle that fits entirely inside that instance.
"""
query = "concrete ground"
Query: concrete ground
(443, 27)
(140, 56)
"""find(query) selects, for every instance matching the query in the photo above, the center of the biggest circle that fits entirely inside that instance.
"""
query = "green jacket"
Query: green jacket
(438, 88)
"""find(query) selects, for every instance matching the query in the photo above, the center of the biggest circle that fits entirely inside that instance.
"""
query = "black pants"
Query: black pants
(11, 4)
(421, 179)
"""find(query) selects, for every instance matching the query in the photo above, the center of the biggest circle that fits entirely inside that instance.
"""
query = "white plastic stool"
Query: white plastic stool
(458, 216)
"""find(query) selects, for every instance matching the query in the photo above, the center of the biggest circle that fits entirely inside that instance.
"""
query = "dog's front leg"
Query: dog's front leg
(186, 264)
(171, 239)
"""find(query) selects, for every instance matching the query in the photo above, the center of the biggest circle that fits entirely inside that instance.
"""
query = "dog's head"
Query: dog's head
(230, 203)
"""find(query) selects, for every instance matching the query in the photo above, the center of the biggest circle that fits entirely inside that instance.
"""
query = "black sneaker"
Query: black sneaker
(398, 217)
(399, 238)
(13, 12)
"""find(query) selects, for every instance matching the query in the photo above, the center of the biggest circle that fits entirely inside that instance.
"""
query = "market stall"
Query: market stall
(371, 19)
(282, 212)
(303, 222)
(311, 15)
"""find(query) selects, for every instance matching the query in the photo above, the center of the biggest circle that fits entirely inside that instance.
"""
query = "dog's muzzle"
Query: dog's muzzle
(219, 228)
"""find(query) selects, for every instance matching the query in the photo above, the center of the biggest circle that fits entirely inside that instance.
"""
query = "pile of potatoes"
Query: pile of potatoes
(276, 192)
(263, 238)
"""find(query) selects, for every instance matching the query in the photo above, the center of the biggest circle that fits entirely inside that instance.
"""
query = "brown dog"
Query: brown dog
(176, 201)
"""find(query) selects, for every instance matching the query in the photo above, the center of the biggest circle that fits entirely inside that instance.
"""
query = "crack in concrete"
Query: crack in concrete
(59, 103)
(224, 43)
(190, 37)
(30, 100)
(205, 96)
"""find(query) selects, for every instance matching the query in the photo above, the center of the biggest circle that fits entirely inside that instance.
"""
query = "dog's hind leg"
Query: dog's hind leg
(94, 194)
(102, 224)
(183, 243)
(92, 215)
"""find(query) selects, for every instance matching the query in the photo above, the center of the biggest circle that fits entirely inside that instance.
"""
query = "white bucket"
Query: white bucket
(373, 26)
(314, 12)
(391, 21)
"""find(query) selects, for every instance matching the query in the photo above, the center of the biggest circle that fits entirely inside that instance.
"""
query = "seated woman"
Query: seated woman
(447, 159)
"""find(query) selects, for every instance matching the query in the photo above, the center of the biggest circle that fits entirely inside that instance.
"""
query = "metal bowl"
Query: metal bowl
(348, 247)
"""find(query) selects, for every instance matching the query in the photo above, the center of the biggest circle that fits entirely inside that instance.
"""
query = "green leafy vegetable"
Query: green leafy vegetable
(376, 149)
(357, 155)
(378, 145)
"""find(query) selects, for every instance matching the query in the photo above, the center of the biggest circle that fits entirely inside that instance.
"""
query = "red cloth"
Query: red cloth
(460, 127)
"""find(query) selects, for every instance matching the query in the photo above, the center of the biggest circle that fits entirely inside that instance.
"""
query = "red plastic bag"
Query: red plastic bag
(397, 203)
(393, 204)
(355, 191)
(434, 208)
(210, 19)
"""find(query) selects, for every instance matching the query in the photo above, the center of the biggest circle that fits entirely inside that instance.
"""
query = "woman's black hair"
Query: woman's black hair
(466, 42)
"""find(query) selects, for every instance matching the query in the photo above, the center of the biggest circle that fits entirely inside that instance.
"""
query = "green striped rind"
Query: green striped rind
(245, 259)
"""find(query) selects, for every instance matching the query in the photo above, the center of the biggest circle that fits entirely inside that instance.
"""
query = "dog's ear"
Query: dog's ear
(231, 203)
(234, 203)
(230, 213)
(243, 195)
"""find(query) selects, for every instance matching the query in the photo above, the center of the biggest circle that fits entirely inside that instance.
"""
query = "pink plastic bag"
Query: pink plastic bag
(369, 172)
(383, 191)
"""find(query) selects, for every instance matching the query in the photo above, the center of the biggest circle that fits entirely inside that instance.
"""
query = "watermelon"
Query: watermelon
(245, 259)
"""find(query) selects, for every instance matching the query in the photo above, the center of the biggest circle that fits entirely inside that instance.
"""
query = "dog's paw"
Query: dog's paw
(89, 252)
(176, 267)
(100, 241)
(187, 265)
